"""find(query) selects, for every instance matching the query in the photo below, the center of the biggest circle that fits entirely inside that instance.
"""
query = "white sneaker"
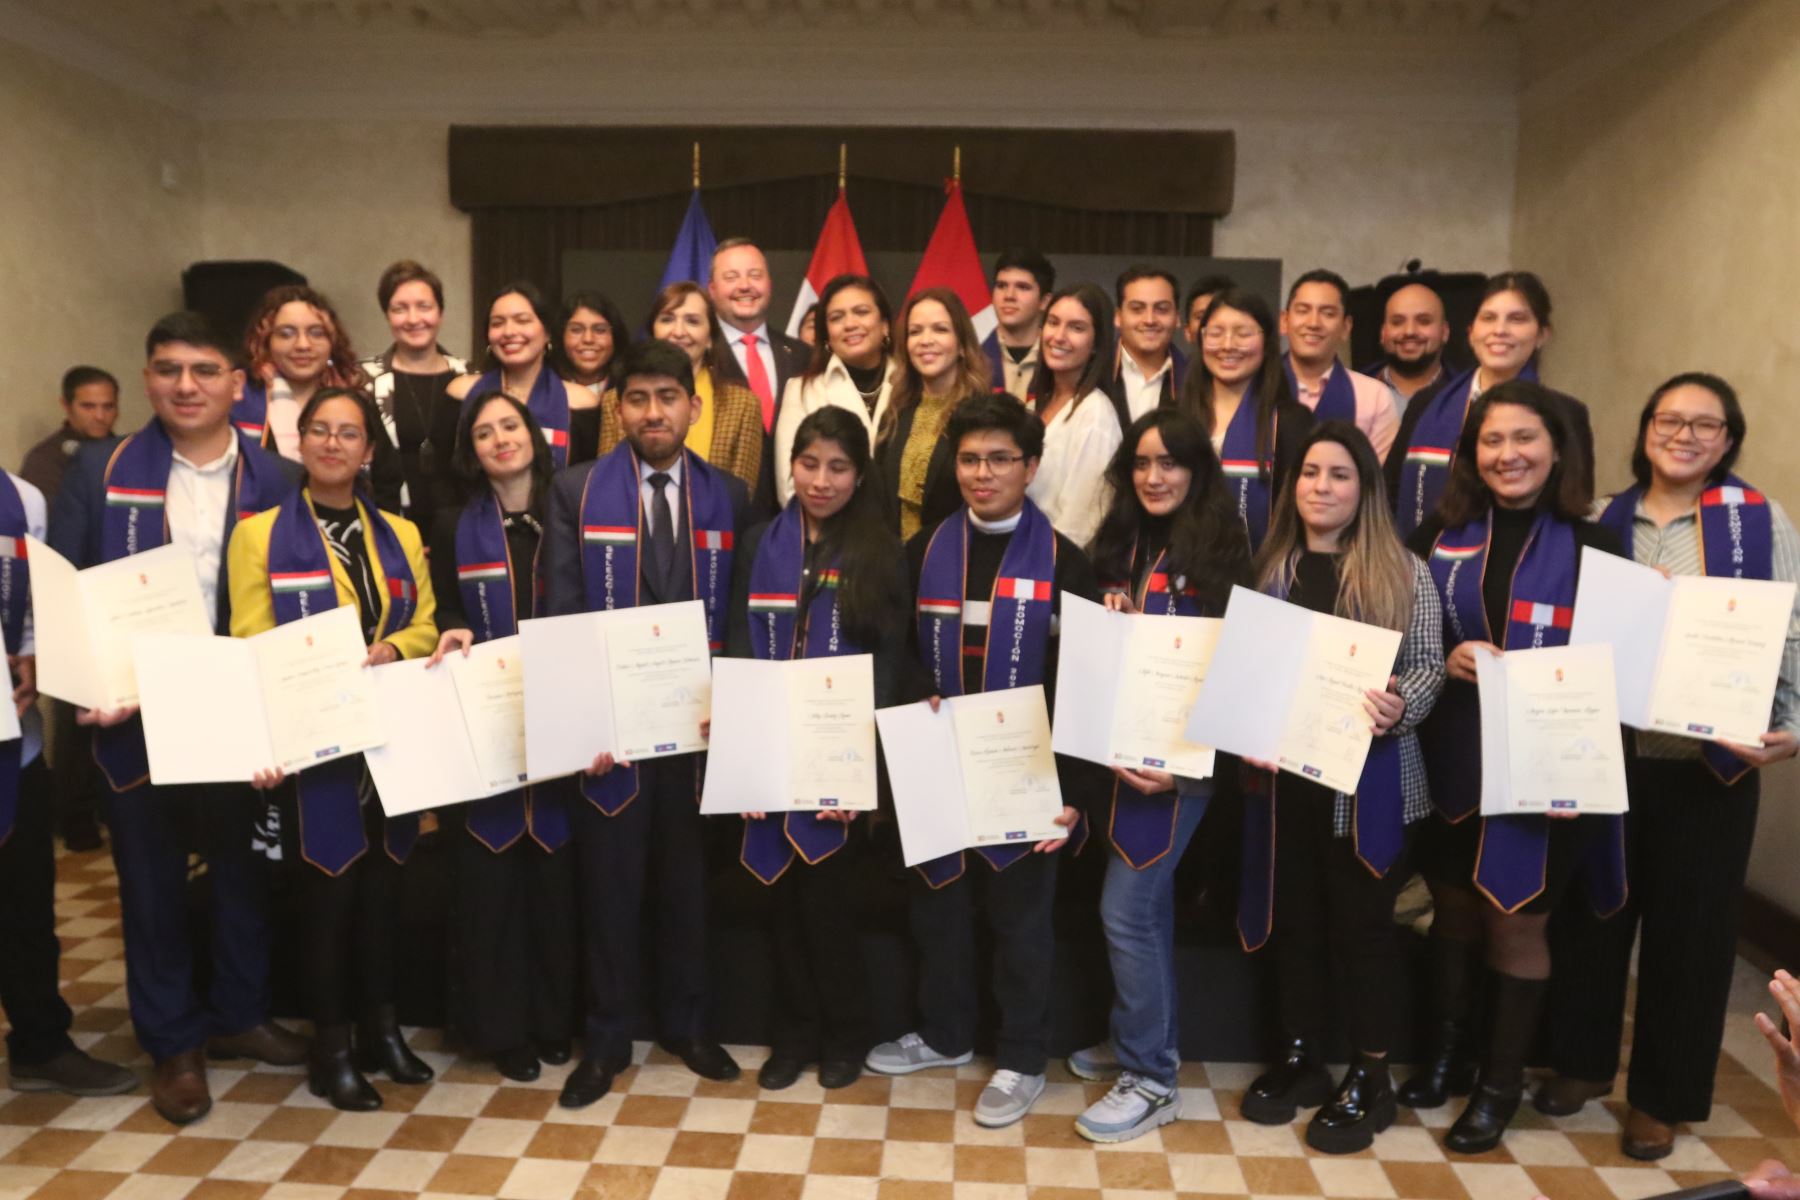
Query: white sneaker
(1007, 1098)
(911, 1053)
(1132, 1108)
(1096, 1064)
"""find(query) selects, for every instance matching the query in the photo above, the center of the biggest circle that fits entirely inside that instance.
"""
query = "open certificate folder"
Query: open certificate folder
(219, 709)
(1287, 686)
(978, 772)
(1125, 683)
(1696, 656)
(425, 763)
(86, 621)
(795, 736)
(636, 682)
(1550, 732)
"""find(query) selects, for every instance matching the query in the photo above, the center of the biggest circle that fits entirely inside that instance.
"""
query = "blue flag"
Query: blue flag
(691, 257)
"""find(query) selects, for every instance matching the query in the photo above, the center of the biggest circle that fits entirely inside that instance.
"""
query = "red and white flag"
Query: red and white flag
(839, 252)
(951, 261)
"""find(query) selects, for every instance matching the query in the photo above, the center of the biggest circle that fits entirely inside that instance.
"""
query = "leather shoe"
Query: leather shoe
(266, 1043)
(1564, 1095)
(178, 1088)
(1484, 1121)
(1646, 1138)
(72, 1073)
(1298, 1081)
(1363, 1106)
(380, 1046)
(520, 1064)
(81, 835)
(704, 1058)
(591, 1079)
(553, 1052)
(779, 1071)
(837, 1073)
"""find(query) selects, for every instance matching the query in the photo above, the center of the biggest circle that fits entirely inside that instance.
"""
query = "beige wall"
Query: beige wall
(91, 244)
(1657, 197)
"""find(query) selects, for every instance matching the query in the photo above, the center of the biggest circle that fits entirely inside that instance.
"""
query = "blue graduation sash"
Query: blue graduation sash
(484, 576)
(1510, 865)
(301, 584)
(1426, 468)
(133, 485)
(1248, 478)
(251, 413)
(612, 534)
(548, 402)
(15, 604)
(1020, 608)
(996, 362)
(1737, 541)
(1338, 401)
(770, 844)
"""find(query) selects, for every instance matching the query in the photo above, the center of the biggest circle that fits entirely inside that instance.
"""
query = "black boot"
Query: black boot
(1298, 1081)
(379, 1047)
(1518, 1003)
(333, 1076)
(1363, 1106)
(1450, 1069)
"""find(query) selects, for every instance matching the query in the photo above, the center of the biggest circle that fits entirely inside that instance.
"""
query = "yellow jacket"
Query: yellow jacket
(253, 603)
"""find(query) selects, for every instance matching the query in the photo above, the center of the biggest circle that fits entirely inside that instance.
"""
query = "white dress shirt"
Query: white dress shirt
(32, 723)
(1142, 392)
(1070, 486)
(198, 497)
(647, 491)
(734, 337)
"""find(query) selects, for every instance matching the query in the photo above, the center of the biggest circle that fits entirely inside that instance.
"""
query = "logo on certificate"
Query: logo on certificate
(1178, 641)
(1563, 805)
(1352, 649)
(326, 752)
(1015, 835)
(828, 683)
(999, 717)
(656, 631)
(309, 641)
(665, 747)
(1313, 772)
(1706, 729)
(1156, 762)
(1731, 604)
(1559, 675)
(144, 580)
(828, 801)
(501, 662)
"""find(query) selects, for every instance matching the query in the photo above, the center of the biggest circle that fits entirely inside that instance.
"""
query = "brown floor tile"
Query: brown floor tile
(145, 1120)
(569, 1143)
(693, 1148)
(331, 1165)
(471, 1175)
(914, 1189)
(1053, 1132)
(1275, 1176)
(870, 1089)
(991, 1164)
(376, 1194)
(1196, 1137)
(614, 1181)
(260, 1087)
(1771, 1122)
(227, 1189)
(1570, 1183)
(845, 1156)
(35, 1110)
(921, 1125)
(188, 1156)
(775, 1116)
(1740, 1154)
(520, 1104)
(752, 1185)
(744, 1087)
(1601, 1150)
(1424, 1181)
(1062, 1193)
(295, 1125)
(51, 1148)
(1129, 1169)
(420, 1132)
(664, 1112)
(79, 1185)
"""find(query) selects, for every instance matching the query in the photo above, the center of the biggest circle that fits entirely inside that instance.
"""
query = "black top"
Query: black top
(941, 496)
(584, 434)
(344, 533)
(1153, 539)
(868, 380)
(1315, 582)
(425, 425)
(524, 532)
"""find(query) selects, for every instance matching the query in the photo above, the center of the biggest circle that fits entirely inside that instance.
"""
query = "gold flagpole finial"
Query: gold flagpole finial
(956, 165)
(696, 166)
(843, 165)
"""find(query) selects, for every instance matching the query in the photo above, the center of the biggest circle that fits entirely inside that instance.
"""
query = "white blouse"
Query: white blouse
(1071, 486)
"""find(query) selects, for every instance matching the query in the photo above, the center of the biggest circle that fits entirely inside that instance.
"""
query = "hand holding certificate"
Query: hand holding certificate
(220, 709)
(795, 736)
(86, 621)
(1550, 732)
(1694, 656)
(978, 772)
(1287, 686)
(1125, 684)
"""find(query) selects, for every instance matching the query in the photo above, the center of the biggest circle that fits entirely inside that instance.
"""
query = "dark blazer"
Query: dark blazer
(792, 357)
(559, 561)
(1114, 387)
(80, 505)
(942, 496)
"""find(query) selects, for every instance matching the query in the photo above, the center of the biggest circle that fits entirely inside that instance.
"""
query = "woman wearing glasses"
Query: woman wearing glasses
(1693, 803)
(1081, 428)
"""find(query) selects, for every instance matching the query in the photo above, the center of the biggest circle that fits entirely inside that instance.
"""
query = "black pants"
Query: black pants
(515, 941)
(1687, 838)
(29, 951)
(1334, 935)
(821, 981)
(1017, 903)
(644, 867)
(350, 929)
(78, 782)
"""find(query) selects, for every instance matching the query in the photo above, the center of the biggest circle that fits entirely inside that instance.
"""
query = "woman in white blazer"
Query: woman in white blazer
(851, 367)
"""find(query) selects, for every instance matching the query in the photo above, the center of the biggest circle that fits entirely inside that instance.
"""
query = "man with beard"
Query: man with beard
(1413, 332)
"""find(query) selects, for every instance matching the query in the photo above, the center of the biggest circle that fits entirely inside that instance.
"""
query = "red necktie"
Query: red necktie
(759, 381)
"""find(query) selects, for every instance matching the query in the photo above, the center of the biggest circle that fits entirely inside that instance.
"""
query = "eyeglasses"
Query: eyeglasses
(346, 435)
(203, 372)
(1669, 425)
(999, 463)
(1238, 337)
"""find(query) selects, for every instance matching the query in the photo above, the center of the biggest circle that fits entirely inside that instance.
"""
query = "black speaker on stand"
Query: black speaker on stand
(226, 293)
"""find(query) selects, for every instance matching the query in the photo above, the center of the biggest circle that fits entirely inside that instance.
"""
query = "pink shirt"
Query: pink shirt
(1376, 414)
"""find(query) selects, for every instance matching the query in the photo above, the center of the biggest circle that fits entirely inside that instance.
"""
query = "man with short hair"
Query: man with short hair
(647, 523)
(1149, 369)
(1413, 332)
(1023, 281)
(1199, 296)
(1316, 323)
(761, 359)
(90, 404)
(185, 479)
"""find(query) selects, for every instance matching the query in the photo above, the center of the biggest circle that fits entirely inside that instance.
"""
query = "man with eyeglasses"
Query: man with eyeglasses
(989, 582)
(185, 478)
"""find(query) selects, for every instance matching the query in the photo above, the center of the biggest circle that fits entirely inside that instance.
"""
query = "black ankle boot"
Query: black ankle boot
(1363, 1106)
(1450, 1068)
(381, 1048)
(333, 1076)
(1518, 1003)
(1298, 1081)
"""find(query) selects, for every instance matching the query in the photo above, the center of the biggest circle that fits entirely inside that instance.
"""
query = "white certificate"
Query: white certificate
(1550, 732)
(1125, 684)
(1695, 656)
(490, 688)
(795, 736)
(1286, 686)
(218, 709)
(978, 772)
(87, 621)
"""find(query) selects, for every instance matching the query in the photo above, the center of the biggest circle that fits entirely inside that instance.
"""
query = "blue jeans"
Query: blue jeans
(1137, 909)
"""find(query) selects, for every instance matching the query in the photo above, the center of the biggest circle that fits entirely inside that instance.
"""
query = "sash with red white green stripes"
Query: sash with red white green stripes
(250, 415)
(15, 605)
(1247, 477)
(1426, 468)
(548, 402)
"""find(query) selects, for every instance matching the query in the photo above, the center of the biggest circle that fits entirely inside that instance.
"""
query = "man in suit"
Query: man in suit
(183, 479)
(647, 523)
(761, 359)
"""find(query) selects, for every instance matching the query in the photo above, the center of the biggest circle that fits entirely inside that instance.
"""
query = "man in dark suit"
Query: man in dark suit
(184, 478)
(647, 523)
(760, 359)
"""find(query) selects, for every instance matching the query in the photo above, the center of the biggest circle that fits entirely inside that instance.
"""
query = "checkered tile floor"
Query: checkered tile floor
(666, 1135)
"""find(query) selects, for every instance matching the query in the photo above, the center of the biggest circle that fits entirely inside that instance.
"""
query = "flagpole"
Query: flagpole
(955, 167)
(843, 163)
(696, 166)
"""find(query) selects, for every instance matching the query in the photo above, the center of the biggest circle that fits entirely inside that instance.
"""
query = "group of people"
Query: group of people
(900, 488)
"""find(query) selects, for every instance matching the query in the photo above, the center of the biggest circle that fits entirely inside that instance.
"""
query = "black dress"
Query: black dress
(425, 427)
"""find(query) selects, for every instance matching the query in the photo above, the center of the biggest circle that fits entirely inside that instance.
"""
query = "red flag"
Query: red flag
(951, 261)
(839, 252)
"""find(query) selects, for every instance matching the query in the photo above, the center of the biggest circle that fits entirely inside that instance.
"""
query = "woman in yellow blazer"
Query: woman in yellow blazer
(325, 546)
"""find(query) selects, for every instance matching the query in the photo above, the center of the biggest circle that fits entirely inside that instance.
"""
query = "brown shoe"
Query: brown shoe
(267, 1043)
(1564, 1096)
(178, 1088)
(1647, 1138)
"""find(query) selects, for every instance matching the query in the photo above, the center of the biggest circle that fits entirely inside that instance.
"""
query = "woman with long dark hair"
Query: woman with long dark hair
(1504, 548)
(1170, 545)
(825, 578)
(513, 899)
(1081, 427)
(519, 329)
(591, 342)
(1238, 391)
(1331, 861)
(851, 368)
(941, 364)
(328, 545)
